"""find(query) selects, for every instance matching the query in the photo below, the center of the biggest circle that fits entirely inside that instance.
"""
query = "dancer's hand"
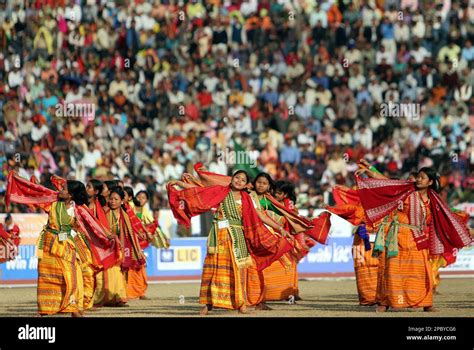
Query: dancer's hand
(186, 176)
(361, 171)
(365, 163)
(285, 233)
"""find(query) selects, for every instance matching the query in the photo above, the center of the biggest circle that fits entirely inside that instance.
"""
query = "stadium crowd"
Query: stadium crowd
(300, 85)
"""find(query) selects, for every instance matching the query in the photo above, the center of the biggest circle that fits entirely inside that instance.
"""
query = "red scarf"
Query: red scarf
(22, 191)
(317, 228)
(104, 249)
(447, 231)
(264, 246)
(133, 256)
(345, 195)
(4, 234)
(100, 214)
(138, 227)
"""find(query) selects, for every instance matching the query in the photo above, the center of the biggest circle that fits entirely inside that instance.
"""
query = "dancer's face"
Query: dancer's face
(142, 199)
(239, 181)
(280, 196)
(423, 181)
(262, 185)
(91, 192)
(115, 201)
(64, 194)
(105, 191)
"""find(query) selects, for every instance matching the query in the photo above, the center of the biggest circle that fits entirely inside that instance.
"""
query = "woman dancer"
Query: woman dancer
(238, 239)
(412, 223)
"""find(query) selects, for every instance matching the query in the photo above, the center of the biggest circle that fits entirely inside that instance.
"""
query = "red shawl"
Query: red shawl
(138, 227)
(447, 231)
(22, 191)
(345, 195)
(4, 234)
(317, 228)
(13, 234)
(264, 246)
(133, 257)
(100, 214)
(104, 249)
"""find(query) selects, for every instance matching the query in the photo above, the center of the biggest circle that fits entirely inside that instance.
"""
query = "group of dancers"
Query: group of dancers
(404, 232)
(90, 252)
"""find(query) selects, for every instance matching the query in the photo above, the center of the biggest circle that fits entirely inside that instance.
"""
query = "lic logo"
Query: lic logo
(167, 255)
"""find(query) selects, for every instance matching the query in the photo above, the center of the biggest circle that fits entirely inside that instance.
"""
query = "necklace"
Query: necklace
(423, 202)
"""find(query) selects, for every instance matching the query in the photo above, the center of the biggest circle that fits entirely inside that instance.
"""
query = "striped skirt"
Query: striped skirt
(87, 282)
(281, 282)
(366, 271)
(223, 284)
(58, 273)
(406, 279)
(110, 287)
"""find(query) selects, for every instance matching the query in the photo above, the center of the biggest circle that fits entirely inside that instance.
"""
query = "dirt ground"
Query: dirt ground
(321, 298)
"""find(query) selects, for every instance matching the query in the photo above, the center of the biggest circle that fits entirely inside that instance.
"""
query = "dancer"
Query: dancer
(238, 238)
(112, 291)
(61, 245)
(137, 279)
(9, 239)
(412, 222)
(279, 281)
(304, 234)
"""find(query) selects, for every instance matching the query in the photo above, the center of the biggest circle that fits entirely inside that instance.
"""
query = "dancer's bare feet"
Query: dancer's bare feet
(76, 314)
(144, 297)
(122, 304)
(381, 308)
(430, 309)
(263, 307)
(205, 310)
(243, 310)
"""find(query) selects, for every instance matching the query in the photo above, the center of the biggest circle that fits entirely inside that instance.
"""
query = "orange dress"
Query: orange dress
(405, 280)
(223, 282)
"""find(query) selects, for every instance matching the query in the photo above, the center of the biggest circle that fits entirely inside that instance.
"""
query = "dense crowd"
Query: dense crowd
(299, 85)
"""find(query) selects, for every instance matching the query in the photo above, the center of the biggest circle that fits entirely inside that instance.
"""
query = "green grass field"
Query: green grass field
(321, 298)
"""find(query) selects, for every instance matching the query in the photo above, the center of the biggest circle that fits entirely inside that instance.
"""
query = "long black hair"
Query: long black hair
(133, 198)
(288, 188)
(432, 175)
(119, 191)
(78, 192)
(266, 176)
(99, 187)
(145, 192)
(129, 191)
(111, 184)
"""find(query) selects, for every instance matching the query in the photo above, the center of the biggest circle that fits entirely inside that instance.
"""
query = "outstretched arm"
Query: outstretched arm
(267, 221)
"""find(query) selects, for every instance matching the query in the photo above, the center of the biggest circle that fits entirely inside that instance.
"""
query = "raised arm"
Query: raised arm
(182, 184)
(369, 170)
